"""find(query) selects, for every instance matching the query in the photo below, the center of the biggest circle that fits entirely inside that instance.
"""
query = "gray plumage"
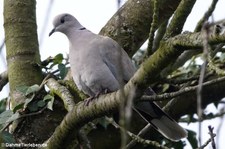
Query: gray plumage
(96, 63)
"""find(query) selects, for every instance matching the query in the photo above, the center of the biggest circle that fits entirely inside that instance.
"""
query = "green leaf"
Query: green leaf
(41, 103)
(14, 117)
(33, 106)
(4, 116)
(50, 100)
(192, 139)
(48, 97)
(62, 70)
(17, 107)
(8, 116)
(22, 89)
(58, 59)
(28, 100)
(32, 89)
(7, 137)
(3, 103)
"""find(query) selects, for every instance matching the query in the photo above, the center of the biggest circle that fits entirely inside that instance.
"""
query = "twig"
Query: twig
(140, 134)
(173, 80)
(159, 35)
(220, 114)
(185, 90)
(202, 74)
(23, 116)
(137, 138)
(206, 16)
(212, 136)
(125, 108)
(206, 143)
(153, 28)
(46, 19)
(218, 131)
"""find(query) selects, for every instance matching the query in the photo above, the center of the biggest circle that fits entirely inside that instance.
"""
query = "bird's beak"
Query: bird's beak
(53, 30)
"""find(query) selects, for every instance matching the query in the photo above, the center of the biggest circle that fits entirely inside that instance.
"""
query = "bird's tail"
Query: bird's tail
(160, 120)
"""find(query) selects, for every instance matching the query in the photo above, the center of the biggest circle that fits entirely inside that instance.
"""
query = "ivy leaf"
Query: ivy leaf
(8, 116)
(192, 139)
(4, 116)
(17, 107)
(28, 100)
(7, 137)
(62, 70)
(41, 103)
(14, 117)
(33, 106)
(3, 103)
(22, 89)
(58, 58)
(50, 100)
(32, 89)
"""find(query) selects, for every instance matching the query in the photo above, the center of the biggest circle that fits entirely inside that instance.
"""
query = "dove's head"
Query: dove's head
(64, 22)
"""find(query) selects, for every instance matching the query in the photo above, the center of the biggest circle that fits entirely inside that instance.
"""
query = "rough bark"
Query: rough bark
(136, 17)
(134, 29)
(21, 46)
(22, 57)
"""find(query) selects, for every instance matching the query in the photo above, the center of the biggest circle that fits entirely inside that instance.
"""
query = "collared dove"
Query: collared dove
(96, 62)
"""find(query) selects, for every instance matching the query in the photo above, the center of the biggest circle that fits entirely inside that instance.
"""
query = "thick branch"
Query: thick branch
(62, 92)
(188, 54)
(109, 103)
(180, 15)
(136, 16)
(21, 46)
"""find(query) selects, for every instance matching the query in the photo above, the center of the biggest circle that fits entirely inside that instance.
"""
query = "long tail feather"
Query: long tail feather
(161, 121)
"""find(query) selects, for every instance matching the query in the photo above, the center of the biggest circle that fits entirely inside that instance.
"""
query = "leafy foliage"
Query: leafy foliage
(59, 63)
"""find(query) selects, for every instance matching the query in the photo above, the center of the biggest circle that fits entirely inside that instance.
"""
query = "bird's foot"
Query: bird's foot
(89, 99)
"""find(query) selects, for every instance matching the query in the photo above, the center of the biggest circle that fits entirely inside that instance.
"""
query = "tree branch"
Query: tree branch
(144, 76)
(185, 90)
(188, 54)
(137, 138)
(62, 92)
(179, 18)
(136, 13)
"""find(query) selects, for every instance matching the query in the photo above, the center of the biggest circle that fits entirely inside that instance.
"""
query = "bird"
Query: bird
(96, 62)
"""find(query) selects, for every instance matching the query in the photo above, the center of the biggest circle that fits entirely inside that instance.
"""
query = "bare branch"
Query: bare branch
(153, 27)
(62, 92)
(179, 18)
(206, 16)
(212, 135)
(204, 117)
(206, 143)
(185, 90)
(137, 138)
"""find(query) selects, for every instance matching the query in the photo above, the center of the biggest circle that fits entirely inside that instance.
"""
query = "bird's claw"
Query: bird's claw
(89, 99)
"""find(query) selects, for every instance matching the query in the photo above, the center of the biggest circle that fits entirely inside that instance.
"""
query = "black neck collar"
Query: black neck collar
(83, 28)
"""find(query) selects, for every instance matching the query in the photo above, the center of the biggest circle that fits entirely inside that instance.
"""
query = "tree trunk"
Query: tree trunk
(21, 46)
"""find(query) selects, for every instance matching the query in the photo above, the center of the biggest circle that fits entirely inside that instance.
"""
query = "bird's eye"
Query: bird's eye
(62, 20)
